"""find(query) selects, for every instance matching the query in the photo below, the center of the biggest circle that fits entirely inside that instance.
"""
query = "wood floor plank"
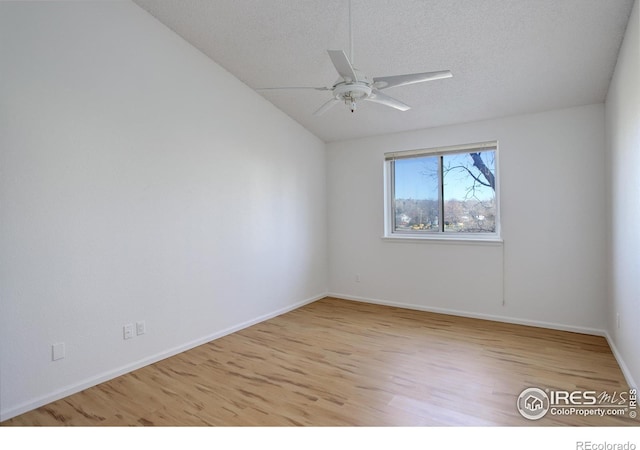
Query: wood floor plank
(341, 363)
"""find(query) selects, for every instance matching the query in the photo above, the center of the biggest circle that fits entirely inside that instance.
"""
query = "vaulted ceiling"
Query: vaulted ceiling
(507, 56)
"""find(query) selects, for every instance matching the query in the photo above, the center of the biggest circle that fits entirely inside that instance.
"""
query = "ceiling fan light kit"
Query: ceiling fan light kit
(350, 93)
(354, 86)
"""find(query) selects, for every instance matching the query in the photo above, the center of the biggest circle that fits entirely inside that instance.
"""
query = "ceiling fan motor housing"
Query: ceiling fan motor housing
(355, 91)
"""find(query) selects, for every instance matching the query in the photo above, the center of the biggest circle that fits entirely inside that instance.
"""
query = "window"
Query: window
(445, 192)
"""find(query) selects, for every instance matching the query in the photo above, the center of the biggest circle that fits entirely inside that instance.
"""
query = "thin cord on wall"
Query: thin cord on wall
(504, 300)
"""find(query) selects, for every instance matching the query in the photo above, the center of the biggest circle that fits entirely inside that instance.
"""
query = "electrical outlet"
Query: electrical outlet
(141, 327)
(618, 320)
(57, 351)
(127, 331)
(357, 278)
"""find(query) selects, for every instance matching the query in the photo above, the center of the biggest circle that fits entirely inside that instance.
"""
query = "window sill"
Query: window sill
(439, 239)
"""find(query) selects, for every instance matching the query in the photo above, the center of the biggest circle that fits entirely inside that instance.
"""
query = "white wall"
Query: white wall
(138, 181)
(552, 194)
(623, 145)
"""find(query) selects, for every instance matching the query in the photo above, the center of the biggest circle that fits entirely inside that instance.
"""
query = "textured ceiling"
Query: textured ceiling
(507, 56)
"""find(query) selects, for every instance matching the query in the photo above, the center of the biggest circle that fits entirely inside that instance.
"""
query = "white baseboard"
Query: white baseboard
(625, 370)
(474, 315)
(535, 323)
(111, 374)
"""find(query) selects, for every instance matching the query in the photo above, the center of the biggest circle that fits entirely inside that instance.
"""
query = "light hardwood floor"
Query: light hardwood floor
(341, 363)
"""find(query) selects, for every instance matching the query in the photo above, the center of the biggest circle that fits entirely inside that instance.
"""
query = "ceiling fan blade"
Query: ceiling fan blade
(378, 97)
(410, 78)
(294, 87)
(326, 107)
(342, 65)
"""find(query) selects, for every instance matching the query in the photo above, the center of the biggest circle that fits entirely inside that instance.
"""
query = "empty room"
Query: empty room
(359, 213)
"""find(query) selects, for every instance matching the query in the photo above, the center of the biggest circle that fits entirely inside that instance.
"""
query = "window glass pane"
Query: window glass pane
(416, 193)
(469, 192)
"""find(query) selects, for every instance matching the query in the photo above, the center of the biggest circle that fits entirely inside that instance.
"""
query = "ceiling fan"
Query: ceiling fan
(353, 85)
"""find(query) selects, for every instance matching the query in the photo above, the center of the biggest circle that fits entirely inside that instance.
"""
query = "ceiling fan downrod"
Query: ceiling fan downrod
(350, 35)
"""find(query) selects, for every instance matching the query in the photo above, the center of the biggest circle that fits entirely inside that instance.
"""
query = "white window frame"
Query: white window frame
(416, 236)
